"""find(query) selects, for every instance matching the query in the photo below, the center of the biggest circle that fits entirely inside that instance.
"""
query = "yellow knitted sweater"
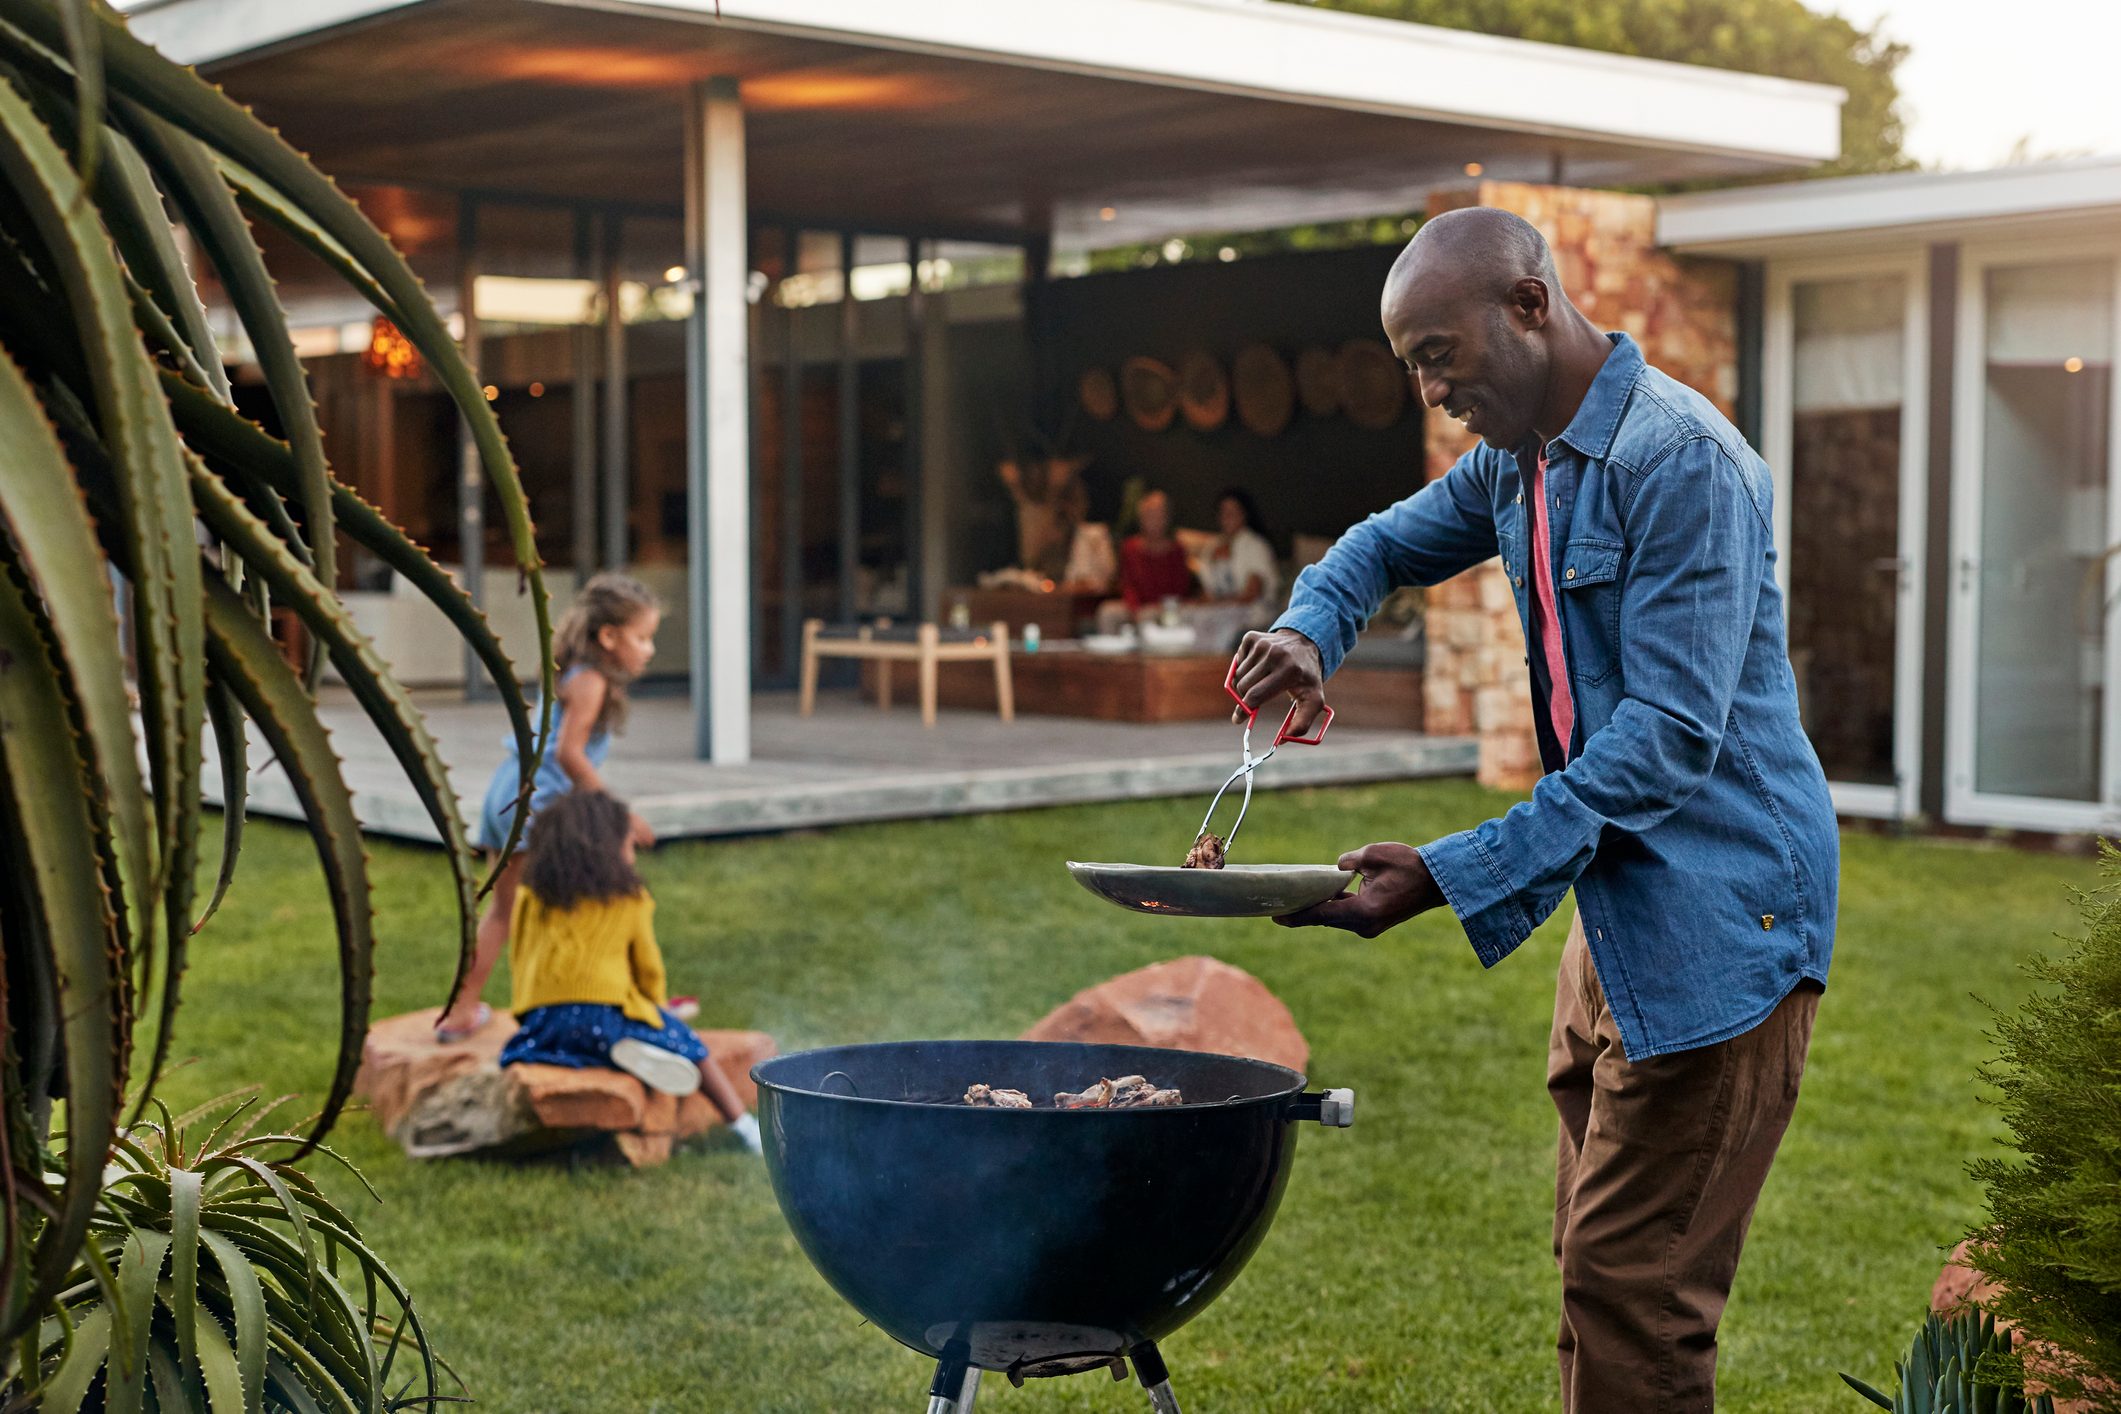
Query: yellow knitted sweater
(597, 951)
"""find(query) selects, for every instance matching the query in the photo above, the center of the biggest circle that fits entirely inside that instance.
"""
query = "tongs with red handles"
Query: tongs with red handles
(1252, 763)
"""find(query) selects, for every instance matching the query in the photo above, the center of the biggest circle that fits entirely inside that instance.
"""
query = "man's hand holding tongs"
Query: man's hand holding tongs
(1277, 662)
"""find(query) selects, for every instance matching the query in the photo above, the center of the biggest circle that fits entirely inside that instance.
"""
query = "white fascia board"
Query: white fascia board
(201, 31)
(1752, 217)
(1301, 54)
(1250, 47)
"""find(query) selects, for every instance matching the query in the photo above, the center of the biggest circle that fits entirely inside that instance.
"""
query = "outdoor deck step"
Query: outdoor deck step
(851, 764)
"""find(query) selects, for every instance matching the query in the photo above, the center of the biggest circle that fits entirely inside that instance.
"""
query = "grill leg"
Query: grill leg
(1156, 1379)
(954, 1388)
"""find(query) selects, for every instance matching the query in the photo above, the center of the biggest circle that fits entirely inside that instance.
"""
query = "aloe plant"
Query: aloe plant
(1938, 1374)
(239, 1286)
(121, 449)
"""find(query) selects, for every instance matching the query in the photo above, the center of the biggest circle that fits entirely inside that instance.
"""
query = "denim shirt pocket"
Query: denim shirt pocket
(1590, 594)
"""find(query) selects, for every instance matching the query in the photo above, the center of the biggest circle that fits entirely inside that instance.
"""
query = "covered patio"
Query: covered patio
(782, 216)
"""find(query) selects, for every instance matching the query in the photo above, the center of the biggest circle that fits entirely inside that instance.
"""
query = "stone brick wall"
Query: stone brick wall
(1684, 314)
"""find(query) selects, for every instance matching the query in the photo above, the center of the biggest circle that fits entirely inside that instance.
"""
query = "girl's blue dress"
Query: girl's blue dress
(579, 1034)
(549, 783)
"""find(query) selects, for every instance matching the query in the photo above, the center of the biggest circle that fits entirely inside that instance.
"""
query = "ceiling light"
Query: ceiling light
(1106, 213)
(674, 274)
(1474, 169)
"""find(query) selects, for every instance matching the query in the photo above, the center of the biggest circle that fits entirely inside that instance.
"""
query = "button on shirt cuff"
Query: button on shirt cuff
(1473, 884)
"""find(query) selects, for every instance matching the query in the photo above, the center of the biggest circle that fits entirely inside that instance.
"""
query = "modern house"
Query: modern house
(645, 214)
(647, 217)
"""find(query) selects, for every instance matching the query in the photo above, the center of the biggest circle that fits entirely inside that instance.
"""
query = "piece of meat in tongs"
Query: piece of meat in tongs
(1207, 852)
(1129, 1092)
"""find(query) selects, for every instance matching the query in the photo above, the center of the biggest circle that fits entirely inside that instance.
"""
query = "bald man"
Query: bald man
(1681, 800)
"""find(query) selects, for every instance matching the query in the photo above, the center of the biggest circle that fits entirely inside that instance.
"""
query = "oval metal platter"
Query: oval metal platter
(1239, 891)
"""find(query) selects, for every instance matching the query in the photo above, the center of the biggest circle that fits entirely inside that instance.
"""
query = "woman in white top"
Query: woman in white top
(1238, 566)
(1239, 577)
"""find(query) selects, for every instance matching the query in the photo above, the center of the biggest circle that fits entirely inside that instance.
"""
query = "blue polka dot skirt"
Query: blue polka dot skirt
(580, 1034)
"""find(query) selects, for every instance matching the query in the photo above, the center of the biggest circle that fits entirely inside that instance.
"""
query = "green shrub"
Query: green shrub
(2053, 1235)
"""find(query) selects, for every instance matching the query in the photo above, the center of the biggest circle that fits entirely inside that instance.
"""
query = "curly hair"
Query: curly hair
(578, 851)
(608, 600)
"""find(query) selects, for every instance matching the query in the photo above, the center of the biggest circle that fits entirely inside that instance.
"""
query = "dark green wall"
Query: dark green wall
(1321, 474)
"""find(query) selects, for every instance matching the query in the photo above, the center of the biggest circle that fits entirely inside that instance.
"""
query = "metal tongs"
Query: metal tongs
(1252, 763)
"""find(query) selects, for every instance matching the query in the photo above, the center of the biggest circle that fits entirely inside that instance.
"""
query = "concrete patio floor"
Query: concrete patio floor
(848, 763)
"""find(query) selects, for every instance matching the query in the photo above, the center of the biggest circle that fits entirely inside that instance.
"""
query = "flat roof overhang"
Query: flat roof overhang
(1897, 208)
(978, 119)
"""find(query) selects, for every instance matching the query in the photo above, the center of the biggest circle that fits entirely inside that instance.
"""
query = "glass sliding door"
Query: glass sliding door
(2034, 733)
(1845, 423)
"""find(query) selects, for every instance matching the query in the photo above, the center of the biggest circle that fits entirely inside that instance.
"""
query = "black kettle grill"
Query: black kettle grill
(1036, 1242)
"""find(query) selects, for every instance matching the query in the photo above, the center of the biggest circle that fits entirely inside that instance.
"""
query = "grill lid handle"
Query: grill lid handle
(1333, 1108)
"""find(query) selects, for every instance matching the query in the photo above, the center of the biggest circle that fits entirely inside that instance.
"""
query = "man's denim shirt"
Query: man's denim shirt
(1692, 817)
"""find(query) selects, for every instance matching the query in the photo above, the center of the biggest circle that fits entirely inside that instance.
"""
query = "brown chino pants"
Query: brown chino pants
(1660, 1163)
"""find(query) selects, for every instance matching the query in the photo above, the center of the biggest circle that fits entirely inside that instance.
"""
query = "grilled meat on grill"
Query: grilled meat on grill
(1126, 1093)
(1207, 853)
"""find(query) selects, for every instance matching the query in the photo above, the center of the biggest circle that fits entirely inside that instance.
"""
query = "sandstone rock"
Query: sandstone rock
(1188, 1004)
(476, 1111)
(441, 1100)
(400, 1062)
(563, 1097)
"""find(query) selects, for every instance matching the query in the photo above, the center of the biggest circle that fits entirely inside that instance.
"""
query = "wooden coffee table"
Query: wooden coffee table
(926, 646)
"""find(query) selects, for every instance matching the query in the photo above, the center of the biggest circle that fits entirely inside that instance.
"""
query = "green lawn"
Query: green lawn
(1409, 1267)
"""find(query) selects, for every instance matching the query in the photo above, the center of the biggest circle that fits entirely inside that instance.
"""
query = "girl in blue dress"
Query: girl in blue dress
(603, 642)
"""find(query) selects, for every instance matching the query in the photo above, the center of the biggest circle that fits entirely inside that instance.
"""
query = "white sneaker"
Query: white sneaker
(655, 1067)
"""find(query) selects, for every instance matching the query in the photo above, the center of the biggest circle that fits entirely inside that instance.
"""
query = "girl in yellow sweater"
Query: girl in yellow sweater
(588, 976)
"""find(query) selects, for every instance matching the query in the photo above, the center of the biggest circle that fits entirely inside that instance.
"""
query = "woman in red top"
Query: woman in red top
(1152, 566)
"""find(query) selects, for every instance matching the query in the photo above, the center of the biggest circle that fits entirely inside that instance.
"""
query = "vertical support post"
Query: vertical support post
(583, 356)
(915, 472)
(471, 477)
(718, 425)
(792, 615)
(755, 460)
(850, 517)
(618, 478)
(1752, 335)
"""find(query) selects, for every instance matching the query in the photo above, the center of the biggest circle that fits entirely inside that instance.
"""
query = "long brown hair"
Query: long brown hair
(578, 851)
(608, 600)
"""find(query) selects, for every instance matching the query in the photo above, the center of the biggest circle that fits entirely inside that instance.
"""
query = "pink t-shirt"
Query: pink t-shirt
(1546, 616)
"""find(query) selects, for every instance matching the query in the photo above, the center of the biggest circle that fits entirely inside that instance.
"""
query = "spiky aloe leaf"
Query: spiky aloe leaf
(244, 657)
(133, 422)
(246, 1300)
(84, 50)
(67, 1390)
(287, 1387)
(165, 275)
(210, 210)
(43, 513)
(140, 1264)
(131, 209)
(265, 160)
(232, 747)
(364, 671)
(186, 1196)
(242, 449)
(50, 787)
